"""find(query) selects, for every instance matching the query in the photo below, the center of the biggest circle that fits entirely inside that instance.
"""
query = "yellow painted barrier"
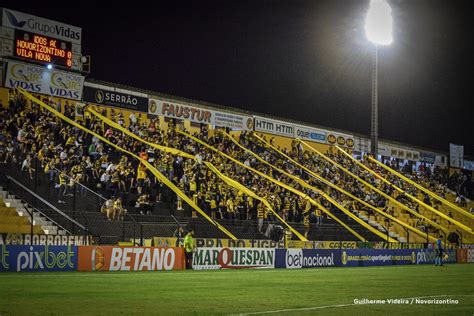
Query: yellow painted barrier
(368, 185)
(153, 170)
(422, 188)
(281, 184)
(173, 151)
(306, 185)
(418, 232)
(111, 123)
(457, 223)
(249, 192)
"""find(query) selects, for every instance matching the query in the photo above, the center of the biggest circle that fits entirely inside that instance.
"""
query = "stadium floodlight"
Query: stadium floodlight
(378, 24)
(378, 29)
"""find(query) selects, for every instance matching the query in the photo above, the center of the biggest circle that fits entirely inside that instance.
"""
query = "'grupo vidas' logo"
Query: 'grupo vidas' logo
(39, 25)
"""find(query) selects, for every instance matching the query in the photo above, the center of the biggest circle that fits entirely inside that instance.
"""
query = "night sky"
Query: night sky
(304, 60)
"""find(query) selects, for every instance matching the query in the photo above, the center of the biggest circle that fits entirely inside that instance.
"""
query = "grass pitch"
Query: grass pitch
(285, 292)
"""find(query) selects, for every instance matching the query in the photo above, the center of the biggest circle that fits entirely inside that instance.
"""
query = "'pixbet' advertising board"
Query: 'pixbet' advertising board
(38, 79)
(37, 258)
(198, 114)
(233, 258)
(428, 256)
(111, 258)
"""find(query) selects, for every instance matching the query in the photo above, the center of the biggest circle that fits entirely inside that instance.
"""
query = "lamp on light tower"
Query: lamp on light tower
(378, 29)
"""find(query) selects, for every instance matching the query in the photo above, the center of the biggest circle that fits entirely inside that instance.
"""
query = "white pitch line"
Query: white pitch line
(333, 306)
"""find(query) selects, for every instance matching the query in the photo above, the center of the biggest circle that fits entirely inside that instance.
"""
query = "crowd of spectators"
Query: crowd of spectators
(68, 155)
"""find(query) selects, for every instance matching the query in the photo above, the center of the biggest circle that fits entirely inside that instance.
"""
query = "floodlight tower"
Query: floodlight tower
(378, 29)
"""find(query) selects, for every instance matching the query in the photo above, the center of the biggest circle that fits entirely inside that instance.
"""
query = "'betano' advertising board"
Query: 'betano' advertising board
(114, 258)
(38, 258)
(37, 79)
(233, 258)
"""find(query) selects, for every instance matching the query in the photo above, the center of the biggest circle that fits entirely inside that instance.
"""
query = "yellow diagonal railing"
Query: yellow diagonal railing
(249, 192)
(325, 181)
(453, 221)
(153, 170)
(174, 151)
(368, 185)
(422, 188)
(330, 184)
(281, 184)
(308, 186)
(111, 123)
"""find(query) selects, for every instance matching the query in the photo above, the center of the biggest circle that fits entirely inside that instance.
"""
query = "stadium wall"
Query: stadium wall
(18, 258)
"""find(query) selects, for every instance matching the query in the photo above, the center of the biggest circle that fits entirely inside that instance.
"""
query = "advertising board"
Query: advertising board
(15, 258)
(233, 258)
(114, 258)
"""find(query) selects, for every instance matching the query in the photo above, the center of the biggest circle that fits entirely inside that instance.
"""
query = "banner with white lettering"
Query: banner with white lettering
(43, 240)
(113, 258)
(39, 79)
(456, 155)
(115, 98)
(310, 134)
(274, 127)
(197, 114)
(31, 23)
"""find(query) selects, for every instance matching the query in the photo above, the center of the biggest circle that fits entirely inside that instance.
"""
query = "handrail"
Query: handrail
(82, 185)
(134, 221)
(46, 202)
(47, 217)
